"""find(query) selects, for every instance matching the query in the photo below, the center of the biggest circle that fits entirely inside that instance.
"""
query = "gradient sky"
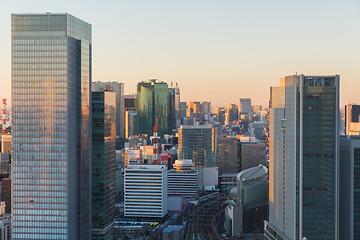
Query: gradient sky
(216, 50)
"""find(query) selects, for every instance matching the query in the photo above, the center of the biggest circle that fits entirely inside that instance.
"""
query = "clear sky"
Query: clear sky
(217, 50)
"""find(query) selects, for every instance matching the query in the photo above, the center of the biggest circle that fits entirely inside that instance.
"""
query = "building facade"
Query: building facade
(349, 187)
(145, 191)
(104, 114)
(152, 106)
(304, 158)
(352, 119)
(245, 106)
(174, 109)
(199, 144)
(118, 89)
(51, 93)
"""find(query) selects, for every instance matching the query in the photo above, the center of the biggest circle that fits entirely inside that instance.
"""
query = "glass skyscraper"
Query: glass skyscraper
(304, 159)
(51, 160)
(103, 164)
(152, 104)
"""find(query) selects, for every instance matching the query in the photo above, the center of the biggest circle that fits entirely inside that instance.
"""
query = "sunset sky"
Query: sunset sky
(215, 50)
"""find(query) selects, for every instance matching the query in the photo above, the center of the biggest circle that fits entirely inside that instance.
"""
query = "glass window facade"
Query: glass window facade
(51, 76)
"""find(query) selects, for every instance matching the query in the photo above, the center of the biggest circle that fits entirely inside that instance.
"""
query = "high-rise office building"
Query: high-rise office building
(349, 188)
(199, 144)
(51, 81)
(245, 106)
(131, 123)
(231, 113)
(104, 114)
(227, 154)
(118, 88)
(304, 158)
(152, 106)
(352, 119)
(251, 153)
(183, 108)
(174, 109)
(130, 102)
(145, 191)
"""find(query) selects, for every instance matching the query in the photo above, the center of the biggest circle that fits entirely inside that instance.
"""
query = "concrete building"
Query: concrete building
(51, 59)
(104, 114)
(349, 188)
(352, 119)
(184, 180)
(245, 106)
(145, 188)
(226, 154)
(199, 144)
(118, 89)
(304, 158)
(251, 153)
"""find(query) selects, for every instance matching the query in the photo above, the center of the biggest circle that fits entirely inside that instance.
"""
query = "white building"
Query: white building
(184, 180)
(145, 191)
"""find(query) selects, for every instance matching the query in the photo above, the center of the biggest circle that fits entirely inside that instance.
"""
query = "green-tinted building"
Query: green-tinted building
(152, 104)
(103, 164)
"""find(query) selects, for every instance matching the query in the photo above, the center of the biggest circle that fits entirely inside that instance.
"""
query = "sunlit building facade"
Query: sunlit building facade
(51, 160)
(304, 158)
(103, 164)
(152, 105)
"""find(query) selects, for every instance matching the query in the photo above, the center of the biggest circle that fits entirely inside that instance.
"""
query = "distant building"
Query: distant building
(245, 106)
(103, 164)
(132, 156)
(152, 106)
(5, 219)
(257, 129)
(251, 153)
(256, 108)
(145, 188)
(231, 114)
(131, 123)
(226, 154)
(352, 119)
(6, 143)
(199, 144)
(349, 188)
(130, 102)
(183, 108)
(174, 109)
(6, 193)
(220, 114)
(184, 180)
(118, 89)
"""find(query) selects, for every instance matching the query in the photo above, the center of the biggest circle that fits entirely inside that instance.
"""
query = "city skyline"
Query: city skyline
(245, 46)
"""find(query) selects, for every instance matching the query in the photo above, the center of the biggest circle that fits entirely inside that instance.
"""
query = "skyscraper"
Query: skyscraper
(152, 105)
(245, 106)
(199, 144)
(349, 187)
(304, 158)
(174, 109)
(118, 88)
(103, 164)
(352, 119)
(51, 81)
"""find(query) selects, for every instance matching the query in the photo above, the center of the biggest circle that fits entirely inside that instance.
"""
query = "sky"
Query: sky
(216, 50)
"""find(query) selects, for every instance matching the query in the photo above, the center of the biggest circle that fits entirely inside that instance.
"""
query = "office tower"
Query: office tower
(152, 105)
(6, 143)
(183, 108)
(145, 191)
(226, 155)
(51, 81)
(199, 144)
(245, 106)
(131, 123)
(104, 116)
(174, 109)
(349, 188)
(184, 180)
(206, 107)
(251, 153)
(231, 114)
(352, 120)
(130, 102)
(118, 88)
(6, 193)
(304, 158)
